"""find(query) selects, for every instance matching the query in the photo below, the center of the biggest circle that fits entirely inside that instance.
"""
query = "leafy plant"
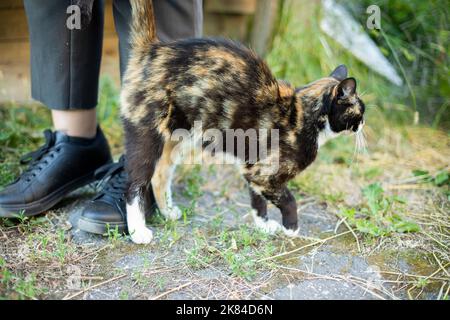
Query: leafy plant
(414, 36)
(379, 216)
(113, 234)
(440, 179)
(16, 287)
(194, 181)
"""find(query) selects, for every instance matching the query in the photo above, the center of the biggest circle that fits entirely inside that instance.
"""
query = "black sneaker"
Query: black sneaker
(63, 164)
(107, 211)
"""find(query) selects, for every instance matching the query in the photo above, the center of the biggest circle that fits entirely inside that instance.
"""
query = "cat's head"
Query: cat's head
(346, 112)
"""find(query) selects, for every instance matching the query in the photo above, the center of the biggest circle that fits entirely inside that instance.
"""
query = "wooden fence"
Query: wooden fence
(249, 21)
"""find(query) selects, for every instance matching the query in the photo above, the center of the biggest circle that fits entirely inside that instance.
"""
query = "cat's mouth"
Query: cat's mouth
(356, 128)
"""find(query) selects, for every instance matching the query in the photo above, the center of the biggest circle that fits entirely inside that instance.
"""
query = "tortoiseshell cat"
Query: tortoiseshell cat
(225, 85)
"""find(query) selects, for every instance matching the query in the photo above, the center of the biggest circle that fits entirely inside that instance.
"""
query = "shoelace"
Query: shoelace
(114, 181)
(37, 160)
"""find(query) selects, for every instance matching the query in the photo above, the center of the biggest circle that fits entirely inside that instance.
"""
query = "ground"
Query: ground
(216, 252)
(373, 224)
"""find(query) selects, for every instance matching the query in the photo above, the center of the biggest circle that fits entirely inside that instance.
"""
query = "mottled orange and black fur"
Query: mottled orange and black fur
(168, 86)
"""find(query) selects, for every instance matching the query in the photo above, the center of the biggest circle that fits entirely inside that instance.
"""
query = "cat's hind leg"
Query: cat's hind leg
(161, 182)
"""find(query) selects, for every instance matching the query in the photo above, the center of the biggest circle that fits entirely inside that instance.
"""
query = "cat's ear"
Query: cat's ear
(346, 88)
(340, 73)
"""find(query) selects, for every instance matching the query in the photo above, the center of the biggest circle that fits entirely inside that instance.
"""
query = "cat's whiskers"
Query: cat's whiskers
(360, 144)
(361, 141)
(355, 151)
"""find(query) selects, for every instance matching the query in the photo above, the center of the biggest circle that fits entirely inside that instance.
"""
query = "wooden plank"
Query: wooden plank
(14, 53)
(234, 26)
(15, 68)
(109, 28)
(264, 21)
(230, 6)
(11, 4)
(13, 25)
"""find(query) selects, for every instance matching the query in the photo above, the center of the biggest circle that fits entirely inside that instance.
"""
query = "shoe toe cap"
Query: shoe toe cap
(102, 212)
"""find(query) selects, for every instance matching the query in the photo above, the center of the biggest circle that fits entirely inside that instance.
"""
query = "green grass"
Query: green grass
(193, 181)
(239, 249)
(20, 132)
(22, 126)
(398, 151)
(440, 179)
(113, 235)
(380, 216)
(302, 53)
(19, 287)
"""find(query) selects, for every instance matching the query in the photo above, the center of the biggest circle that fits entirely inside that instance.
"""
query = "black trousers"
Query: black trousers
(65, 63)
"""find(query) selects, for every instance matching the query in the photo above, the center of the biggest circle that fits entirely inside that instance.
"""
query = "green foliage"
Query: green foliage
(108, 102)
(193, 183)
(14, 286)
(21, 128)
(441, 179)
(113, 235)
(19, 133)
(239, 249)
(417, 33)
(379, 216)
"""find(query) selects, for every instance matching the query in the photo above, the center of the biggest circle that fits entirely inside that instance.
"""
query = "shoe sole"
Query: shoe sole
(46, 203)
(92, 226)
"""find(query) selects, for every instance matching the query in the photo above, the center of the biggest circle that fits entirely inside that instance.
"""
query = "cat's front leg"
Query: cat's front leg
(284, 200)
(259, 213)
(259, 204)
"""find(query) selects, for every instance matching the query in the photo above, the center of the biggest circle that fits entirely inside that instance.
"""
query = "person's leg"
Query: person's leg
(64, 76)
(76, 123)
(65, 64)
(175, 19)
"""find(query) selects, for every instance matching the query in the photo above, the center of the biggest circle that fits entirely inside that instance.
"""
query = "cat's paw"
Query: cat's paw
(141, 235)
(266, 226)
(291, 233)
(172, 213)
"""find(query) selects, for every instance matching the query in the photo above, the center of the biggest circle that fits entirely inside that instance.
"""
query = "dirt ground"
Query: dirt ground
(354, 243)
(214, 253)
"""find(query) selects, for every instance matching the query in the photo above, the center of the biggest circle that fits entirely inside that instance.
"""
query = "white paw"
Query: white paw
(291, 233)
(272, 226)
(141, 235)
(267, 226)
(173, 213)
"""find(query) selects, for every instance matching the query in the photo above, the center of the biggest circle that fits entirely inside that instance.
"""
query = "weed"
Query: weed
(193, 182)
(124, 295)
(62, 249)
(17, 287)
(170, 233)
(241, 263)
(160, 282)
(113, 234)
(140, 279)
(441, 179)
(379, 216)
(200, 255)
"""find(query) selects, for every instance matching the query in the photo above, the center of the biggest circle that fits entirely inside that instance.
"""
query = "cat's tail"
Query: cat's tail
(143, 29)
